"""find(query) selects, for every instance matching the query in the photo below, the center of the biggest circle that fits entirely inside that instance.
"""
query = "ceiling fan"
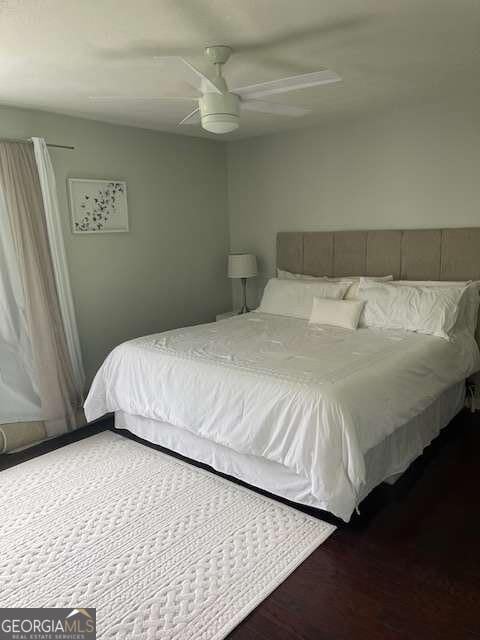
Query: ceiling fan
(218, 107)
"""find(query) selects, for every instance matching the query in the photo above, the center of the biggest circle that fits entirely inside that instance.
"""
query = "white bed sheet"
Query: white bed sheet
(312, 399)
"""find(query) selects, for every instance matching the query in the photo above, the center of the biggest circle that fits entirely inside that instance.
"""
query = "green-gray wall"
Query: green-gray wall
(416, 167)
(169, 270)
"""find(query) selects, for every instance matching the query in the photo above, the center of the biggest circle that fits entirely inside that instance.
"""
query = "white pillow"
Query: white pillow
(287, 275)
(295, 297)
(338, 313)
(424, 309)
(355, 280)
(469, 303)
(352, 293)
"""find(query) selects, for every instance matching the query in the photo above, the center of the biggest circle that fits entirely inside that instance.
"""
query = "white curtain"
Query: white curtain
(19, 399)
(57, 250)
(20, 185)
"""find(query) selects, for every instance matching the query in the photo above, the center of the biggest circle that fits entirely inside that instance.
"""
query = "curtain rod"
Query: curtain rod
(29, 141)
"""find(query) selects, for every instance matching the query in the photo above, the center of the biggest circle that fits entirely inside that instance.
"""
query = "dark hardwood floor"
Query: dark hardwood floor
(407, 568)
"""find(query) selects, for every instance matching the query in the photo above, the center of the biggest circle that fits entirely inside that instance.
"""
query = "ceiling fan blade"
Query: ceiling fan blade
(189, 73)
(272, 107)
(128, 98)
(192, 118)
(288, 84)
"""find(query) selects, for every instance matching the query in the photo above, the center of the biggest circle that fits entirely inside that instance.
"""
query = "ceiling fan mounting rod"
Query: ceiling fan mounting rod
(218, 55)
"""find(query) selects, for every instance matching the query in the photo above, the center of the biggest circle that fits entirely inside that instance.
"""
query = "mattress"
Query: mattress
(312, 399)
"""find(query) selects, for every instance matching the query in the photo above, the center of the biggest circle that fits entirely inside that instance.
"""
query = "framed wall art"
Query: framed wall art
(98, 206)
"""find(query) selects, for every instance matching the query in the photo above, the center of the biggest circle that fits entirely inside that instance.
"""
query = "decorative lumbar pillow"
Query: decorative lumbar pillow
(337, 313)
(424, 309)
(295, 297)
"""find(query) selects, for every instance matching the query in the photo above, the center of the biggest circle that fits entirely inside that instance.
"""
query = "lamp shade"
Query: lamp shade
(242, 265)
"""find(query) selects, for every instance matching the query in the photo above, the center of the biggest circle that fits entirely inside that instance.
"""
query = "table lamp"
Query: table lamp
(243, 266)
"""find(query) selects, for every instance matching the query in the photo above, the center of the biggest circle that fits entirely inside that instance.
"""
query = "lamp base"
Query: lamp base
(244, 308)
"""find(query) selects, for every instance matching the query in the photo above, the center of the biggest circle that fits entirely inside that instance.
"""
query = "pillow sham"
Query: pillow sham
(424, 309)
(352, 292)
(469, 303)
(469, 306)
(287, 275)
(337, 313)
(295, 297)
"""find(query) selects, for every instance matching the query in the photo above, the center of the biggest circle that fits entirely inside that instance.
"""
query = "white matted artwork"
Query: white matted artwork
(98, 206)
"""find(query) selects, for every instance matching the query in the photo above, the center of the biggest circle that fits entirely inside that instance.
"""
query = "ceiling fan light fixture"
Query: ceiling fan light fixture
(220, 113)
(220, 122)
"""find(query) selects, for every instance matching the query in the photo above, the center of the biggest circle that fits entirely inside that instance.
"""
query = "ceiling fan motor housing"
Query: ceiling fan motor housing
(220, 112)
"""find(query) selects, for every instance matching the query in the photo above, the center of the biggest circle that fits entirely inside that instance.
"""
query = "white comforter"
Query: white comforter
(312, 398)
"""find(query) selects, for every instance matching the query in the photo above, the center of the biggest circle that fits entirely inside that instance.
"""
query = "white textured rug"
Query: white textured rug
(161, 549)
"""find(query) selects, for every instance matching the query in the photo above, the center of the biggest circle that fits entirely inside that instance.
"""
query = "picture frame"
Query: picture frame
(98, 206)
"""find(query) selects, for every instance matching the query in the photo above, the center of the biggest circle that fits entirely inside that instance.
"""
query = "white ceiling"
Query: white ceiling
(54, 54)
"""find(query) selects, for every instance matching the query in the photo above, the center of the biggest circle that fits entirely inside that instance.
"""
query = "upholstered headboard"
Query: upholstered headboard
(420, 254)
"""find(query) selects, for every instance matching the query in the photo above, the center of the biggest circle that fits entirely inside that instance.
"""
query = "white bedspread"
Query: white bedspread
(312, 398)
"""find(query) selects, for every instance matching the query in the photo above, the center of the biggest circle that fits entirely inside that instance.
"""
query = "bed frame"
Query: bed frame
(417, 254)
(420, 254)
(438, 254)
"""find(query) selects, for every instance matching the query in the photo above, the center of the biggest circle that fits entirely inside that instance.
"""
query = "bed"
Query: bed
(315, 414)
